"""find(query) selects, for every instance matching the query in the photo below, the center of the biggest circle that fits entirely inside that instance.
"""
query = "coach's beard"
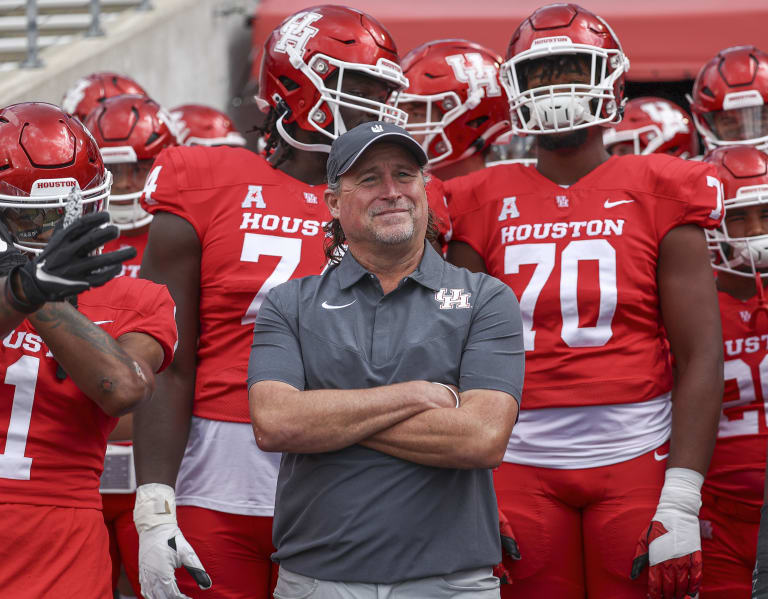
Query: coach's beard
(563, 141)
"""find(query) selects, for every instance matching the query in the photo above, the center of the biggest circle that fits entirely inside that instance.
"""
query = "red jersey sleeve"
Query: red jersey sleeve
(467, 197)
(696, 195)
(176, 171)
(138, 306)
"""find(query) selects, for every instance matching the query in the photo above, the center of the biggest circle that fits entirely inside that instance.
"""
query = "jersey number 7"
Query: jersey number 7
(288, 249)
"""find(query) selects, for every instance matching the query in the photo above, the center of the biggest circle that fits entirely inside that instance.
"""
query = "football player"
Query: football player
(130, 131)
(200, 125)
(733, 490)
(729, 98)
(89, 91)
(228, 226)
(604, 254)
(78, 357)
(652, 125)
(455, 102)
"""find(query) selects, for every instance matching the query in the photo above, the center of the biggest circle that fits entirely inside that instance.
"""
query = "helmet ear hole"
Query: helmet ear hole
(288, 84)
(478, 122)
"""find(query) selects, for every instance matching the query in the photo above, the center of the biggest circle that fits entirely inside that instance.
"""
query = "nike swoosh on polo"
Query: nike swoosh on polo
(328, 306)
(660, 457)
(102, 321)
(609, 204)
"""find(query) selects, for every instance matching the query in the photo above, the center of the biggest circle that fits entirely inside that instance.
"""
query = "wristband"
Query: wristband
(455, 395)
(13, 301)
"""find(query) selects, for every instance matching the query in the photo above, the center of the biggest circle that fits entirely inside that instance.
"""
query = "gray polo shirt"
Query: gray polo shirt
(359, 515)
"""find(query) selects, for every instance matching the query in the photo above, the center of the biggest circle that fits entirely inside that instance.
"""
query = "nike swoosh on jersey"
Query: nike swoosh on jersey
(660, 457)
(328, 306)
(102, 321)
(609, 204)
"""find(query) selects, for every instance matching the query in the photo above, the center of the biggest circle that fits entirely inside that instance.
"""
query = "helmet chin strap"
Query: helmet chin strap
(762, 305)
(296, 143)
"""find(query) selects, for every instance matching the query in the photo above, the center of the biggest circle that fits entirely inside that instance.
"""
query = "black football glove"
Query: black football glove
(66, 266)
(10, 257)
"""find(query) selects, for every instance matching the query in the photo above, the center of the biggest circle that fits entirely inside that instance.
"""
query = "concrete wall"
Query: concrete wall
(183, 51)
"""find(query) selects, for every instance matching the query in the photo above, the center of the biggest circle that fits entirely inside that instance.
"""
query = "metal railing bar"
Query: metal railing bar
(32, 61)
(95, 29)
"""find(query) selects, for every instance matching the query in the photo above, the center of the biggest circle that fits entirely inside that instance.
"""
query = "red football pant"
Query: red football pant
(577, 529)
(728, 547)
(51, 551)
(235, 551)
(123, 538)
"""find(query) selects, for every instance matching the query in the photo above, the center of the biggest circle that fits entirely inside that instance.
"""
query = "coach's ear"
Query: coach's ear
(332, 201)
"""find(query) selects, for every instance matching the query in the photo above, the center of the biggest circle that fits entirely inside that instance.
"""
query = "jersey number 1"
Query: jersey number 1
(22, 375)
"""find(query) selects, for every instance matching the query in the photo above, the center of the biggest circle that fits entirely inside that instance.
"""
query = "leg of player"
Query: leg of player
(548, 531)
(242, 563)
(631, 492)
(728, 533)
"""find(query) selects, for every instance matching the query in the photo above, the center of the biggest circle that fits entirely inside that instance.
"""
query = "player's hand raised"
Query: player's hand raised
(162, 547)
(10, 257)
(67, 265)
(671, 545)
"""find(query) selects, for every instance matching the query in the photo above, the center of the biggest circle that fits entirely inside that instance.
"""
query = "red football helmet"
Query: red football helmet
(730, 96)
(303, 66)
(654, 125)
(465, 108)
(86, 93)
(131, 131)
(560, 30)
(50, 172)
(200, 125)
(744, 173)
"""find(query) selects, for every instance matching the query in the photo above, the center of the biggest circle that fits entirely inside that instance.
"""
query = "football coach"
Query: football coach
(391, 384)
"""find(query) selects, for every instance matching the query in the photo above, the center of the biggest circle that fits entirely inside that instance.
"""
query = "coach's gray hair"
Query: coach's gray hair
(334, 234)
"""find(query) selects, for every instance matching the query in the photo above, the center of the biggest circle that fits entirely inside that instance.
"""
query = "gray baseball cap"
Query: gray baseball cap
(347, 148)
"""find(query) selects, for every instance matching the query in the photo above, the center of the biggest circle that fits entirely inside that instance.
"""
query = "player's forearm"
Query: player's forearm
(161, 427)
(9, 318)
(288, 420)
(696, 404)
(472, 436)
(95, 361)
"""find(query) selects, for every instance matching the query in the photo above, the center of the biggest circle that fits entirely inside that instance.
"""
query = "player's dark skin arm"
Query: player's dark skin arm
(9, 318)
(691, 316)
(461, 254)
(161, 427)
(116, 374)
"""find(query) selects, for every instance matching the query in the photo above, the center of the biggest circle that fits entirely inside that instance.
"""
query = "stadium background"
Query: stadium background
(206, 51)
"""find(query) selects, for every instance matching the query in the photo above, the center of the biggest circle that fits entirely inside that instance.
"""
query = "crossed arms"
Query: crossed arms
(415, 421)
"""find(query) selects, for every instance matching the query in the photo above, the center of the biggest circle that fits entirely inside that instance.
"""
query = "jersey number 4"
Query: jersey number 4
(544, 255)
(22, 375)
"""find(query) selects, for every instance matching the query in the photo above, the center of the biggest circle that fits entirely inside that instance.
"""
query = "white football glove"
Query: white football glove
(162, 547)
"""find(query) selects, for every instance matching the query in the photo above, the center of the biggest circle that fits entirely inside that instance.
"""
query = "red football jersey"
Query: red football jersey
(582, 262)
(130, 267)
(258, 227)
(53, 437)
(737, 469)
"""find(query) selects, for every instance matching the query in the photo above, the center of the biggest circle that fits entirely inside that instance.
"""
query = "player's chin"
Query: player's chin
(563, 141)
